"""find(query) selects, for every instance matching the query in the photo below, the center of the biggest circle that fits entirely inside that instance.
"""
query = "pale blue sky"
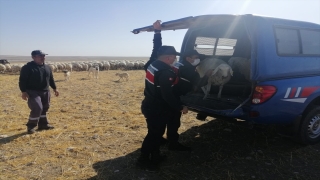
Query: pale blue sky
(102, 27)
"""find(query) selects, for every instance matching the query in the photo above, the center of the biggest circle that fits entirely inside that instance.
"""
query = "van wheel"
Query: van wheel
(310, 127)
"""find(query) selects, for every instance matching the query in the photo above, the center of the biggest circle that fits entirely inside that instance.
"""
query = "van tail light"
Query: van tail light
(262, 93)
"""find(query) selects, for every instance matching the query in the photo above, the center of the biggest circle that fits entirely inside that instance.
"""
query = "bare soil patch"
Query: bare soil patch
(99, 129)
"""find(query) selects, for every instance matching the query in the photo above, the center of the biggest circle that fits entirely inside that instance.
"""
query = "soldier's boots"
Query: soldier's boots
(45, 127)
(32, 129)
(176, 146)
(150, 162)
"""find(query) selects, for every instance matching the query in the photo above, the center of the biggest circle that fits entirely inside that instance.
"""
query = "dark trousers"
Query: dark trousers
(38, 102)
(157, 121)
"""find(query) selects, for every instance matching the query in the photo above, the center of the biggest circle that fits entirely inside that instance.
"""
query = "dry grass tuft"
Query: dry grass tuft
(99, 129)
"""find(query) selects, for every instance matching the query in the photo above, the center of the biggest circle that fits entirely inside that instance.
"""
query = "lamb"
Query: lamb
(123, 75)
(221, 74)
(66, 75)
(243, 65)
(94, 70)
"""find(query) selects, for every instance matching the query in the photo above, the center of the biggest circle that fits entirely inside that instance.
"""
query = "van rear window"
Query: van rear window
(215, 46)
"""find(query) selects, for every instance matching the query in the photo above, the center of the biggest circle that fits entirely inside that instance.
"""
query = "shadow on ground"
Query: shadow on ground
(11, 138)
(224, 151)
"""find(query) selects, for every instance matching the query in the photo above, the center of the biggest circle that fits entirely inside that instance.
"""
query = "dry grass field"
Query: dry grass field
(99, 130)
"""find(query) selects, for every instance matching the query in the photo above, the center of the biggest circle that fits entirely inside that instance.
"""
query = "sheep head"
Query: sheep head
(224, 69)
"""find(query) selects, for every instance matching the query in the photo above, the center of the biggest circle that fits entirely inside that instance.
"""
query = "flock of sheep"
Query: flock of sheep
(80, 66)
(14, 68)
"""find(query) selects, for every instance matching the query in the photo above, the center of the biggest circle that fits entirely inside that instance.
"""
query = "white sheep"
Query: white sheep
(59, 67)
(69, 67)
(106, 65)
(130, 66)
(94, 70)
(52, 67)
(16, 68)
(8, 67)
(243, 65)
(220, 75)
(141, 65)
(2, 68)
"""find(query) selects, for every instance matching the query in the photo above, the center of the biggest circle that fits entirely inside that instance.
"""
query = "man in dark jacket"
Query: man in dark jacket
(160, 104)
(34, 81)
(189, 80)
(189, 77)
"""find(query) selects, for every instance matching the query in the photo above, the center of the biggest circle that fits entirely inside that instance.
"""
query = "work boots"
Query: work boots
(44, 124)
(145, 163)
(31, 126)
(176, 146)
(150, 162)
(45, 127)
(31, 130)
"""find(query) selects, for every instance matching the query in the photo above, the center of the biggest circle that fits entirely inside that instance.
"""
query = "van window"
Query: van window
(310, 42)
(205, 45)
(215, 46)
(225, 47)
(287, 41)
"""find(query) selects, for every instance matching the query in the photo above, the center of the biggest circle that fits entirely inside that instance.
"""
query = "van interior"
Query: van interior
(222, 40)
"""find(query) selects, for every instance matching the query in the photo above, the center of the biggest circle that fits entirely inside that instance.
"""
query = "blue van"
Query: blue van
(284, 82)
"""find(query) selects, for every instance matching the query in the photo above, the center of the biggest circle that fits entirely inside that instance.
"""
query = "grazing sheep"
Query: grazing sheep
(243, 65)
(221, 74)
(16, 68)
(123, 75)
(8, 67)
(52, 67)
(66, 75)
(2, 68)
(94, 70)
(69, 67)
(130, 66)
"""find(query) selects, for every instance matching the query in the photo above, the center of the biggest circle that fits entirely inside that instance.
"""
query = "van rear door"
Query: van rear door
(183, 23)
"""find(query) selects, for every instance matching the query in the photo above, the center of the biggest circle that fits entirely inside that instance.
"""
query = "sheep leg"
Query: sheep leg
(207, 91)
(220, 89)
(204, 89)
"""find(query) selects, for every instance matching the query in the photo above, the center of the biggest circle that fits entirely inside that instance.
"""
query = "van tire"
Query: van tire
(310, 127)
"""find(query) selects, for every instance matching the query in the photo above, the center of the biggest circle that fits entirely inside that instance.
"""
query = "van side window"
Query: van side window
(287, 41)
(310, 42)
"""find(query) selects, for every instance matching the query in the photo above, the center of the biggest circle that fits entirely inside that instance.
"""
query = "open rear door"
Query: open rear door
(183, 23)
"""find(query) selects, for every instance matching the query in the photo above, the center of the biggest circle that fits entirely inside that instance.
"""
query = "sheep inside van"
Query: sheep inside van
(275, 66)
